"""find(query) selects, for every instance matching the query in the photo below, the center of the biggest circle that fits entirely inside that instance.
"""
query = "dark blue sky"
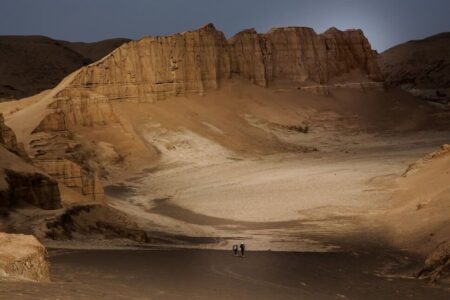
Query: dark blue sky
(385, 22)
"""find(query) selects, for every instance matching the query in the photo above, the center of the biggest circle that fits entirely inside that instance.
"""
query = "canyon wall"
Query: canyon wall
(155, 68)
(158, 67)
(298, 56)
(8, 139)
(19, 180)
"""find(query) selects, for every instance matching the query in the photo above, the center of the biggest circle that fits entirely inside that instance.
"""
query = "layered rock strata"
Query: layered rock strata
(34, 188)
(155, 68)
(19, 180)
(8, 139)
(73, 176)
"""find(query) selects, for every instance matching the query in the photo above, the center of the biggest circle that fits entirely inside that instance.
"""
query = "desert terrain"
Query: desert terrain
(165, 157)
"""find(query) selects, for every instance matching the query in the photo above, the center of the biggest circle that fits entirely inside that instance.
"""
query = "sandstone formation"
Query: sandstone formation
(31, 64)
(421, 67)
(8, 139)
(299, 56)
(22, 257)
(72, 107)
(19, 180)
(155, 68)
(73, 176)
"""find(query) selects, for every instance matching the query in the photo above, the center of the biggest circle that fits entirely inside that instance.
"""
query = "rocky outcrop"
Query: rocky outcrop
(155, 68)
(437, 265)
(73, 176)
(8, 139)
(22, 257)
(22, 182)
(298, 56)
(74, 107)
(34, 188)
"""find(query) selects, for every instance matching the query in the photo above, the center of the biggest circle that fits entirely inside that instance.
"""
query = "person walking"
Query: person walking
(235, 249)
(242, 246)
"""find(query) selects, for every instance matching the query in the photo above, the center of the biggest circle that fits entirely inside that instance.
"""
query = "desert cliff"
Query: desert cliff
(192, 62)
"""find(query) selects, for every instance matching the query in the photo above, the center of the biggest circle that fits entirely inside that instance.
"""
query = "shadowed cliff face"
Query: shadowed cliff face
(19, 181)
(34, 188)
(155, 68)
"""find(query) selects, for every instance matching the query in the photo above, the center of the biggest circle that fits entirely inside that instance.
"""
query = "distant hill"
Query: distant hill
(31, 64)
(420, 66)
(96, 50)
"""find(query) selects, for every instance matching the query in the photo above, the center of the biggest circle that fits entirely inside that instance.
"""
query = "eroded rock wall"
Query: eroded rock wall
(19, 180)
(77, 107)
(8, 139)
(33, 188)
(73, 176)
(155, 68)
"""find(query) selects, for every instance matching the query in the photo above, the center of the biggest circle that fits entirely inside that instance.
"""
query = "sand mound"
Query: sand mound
(419, 216)
(22, 257)
(443, 151)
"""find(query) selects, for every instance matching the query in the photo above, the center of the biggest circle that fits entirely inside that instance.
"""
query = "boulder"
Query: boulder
(23, 257)
(437, 265)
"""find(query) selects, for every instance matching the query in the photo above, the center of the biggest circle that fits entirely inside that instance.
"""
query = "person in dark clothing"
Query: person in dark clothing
(235, 249)
(242, 246)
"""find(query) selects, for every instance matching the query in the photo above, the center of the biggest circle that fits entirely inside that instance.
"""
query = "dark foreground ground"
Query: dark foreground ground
(205, 274)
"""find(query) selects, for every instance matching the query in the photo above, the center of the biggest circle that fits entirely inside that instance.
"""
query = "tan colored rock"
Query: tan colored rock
(249, 58)
(22, 182)
(73, 176)
(73, 107)
(437, 264)
(19, 180)
(8, 139)
(22, 257)
(155, 68)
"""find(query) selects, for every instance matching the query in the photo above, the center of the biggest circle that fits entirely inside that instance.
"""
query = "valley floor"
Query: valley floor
(317, 201)
(210, 274)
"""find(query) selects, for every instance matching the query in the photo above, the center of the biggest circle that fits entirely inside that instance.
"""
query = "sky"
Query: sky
(385, 22)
